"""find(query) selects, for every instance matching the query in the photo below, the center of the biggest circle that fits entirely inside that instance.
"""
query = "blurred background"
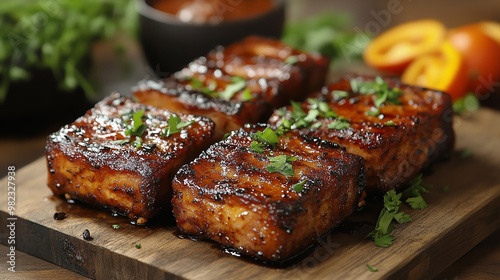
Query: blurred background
(59, 57)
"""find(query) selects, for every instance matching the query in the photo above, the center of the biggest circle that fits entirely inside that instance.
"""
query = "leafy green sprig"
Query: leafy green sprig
(382, 93)
(237, 84)
(382, 234)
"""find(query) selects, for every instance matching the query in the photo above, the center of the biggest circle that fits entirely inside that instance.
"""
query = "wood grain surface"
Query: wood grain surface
(463, 210)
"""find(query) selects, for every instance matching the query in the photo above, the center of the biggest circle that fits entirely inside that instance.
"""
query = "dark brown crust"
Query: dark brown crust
(272, 81)
(228, 196)
(85, 162)
(422, 132)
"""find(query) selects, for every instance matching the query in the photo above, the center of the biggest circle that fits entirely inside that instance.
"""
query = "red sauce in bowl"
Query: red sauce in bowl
(213, 11)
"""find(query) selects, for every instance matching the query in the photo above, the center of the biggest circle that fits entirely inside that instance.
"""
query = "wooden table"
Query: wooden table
(482, 262)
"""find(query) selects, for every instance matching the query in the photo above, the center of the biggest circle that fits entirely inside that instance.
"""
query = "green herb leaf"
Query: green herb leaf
(267, 136)
(138, 127)
(138, 245)
(281, 164)
(417, 202)
(467, 104)
(257, 147)
(417, 187)
(371, 268)
(116, 226)
(339, 124)
(175, 125)
(389, 123)
(381, 91)
(299, 187)
(238, 83)
(246, 95)
(384, 227)
(339, 94)
(291, 60)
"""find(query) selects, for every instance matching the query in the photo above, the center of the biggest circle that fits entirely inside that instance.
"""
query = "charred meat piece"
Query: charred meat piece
(238, 85)
(398, 129)
(270, 205)
(298, 72)
(123, 155)
(230, 102)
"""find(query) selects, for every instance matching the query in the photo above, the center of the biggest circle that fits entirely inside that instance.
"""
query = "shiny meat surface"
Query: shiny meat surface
(95, 159)
(229, 195)
(398, 141)
(239, 84)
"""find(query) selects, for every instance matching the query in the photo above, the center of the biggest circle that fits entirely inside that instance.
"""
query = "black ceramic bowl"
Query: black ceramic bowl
(170, 44)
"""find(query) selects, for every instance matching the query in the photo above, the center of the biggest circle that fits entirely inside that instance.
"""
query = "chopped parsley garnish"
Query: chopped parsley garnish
(382, 93)
(300, 119)
(339, 94)
(415, 199)
(257, 147)
(175, 125)
(384, 227)
(291, 60)
(138, 245)
(371, 268)
(138, 127)
(392, 200)
(135, 129)
(268, 136)
(467, 104)
(299, 187)
(116, 226)
(389, 123)
(238, 83)
(281, 164)
(339, 123)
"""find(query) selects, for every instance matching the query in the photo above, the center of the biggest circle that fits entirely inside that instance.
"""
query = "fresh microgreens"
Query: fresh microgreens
(299, 187)
(382, 93)
(414, 193)
(384, 227)
(281, 164)
(175, 125)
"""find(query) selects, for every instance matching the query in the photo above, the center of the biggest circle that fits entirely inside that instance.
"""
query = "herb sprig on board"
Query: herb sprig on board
(382, 234)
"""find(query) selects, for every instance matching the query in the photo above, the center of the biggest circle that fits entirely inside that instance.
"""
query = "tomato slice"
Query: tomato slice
(443, 69)
(396, 48)
(481, 54)
(490, 28)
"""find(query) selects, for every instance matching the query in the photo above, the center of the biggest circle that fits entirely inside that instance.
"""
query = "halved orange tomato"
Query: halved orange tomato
(481, 54)
(397, 47)
(443, 69)
(489, 28)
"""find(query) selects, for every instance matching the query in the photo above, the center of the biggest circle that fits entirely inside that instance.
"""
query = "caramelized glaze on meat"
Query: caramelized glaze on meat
(271, 81)
(397, 143)
(227, 194)
(94, 161)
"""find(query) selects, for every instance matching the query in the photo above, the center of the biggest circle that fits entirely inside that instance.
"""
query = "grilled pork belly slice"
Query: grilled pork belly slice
(123, 155)
(238, 85)
(298, 72)
(230, 102)
(411, 128)
(232, 195)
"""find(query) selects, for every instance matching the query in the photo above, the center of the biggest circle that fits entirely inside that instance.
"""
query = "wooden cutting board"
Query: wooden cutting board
(464, 208)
